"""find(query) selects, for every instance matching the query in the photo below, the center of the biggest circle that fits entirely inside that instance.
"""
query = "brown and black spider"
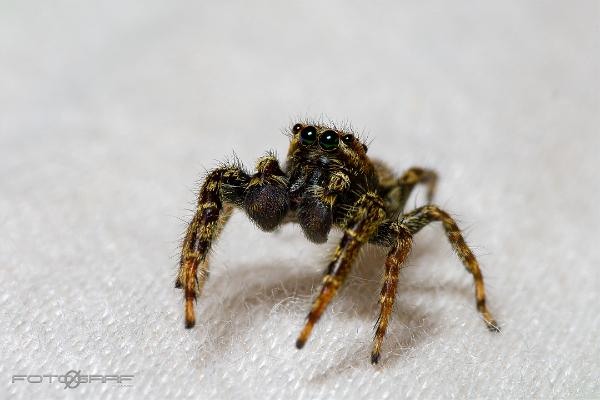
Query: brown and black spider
(328, 181)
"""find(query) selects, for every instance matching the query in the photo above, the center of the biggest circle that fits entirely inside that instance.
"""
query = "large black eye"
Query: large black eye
(308, 135)
(329, 140)
(297, 128)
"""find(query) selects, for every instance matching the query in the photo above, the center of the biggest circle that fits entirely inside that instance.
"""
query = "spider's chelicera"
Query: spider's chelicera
(327, 181)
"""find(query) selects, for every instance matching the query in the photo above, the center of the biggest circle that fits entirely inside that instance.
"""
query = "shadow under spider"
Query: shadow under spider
(409, 327)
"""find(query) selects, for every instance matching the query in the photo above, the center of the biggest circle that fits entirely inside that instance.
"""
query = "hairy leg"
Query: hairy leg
(367, 216)
(414, 176)
(417, 219)
(211, 214)
(393, 263)
(264, 198)
(399, 190)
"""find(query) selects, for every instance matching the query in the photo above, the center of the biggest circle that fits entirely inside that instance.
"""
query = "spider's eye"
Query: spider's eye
(308, 135)
(329, 140)
(297, 128)
(347, 138)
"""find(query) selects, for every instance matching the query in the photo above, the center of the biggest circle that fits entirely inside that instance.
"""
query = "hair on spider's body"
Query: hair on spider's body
(327, 181)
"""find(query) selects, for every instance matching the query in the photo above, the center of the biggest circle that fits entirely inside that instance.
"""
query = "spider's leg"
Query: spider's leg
(212, 212)
(414, 176)
(263, 196)
(393, 262)
(367, 216)
(400, 190)
(417, 219)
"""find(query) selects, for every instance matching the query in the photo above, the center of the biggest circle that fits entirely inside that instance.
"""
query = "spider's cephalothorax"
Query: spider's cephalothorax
(328, 181)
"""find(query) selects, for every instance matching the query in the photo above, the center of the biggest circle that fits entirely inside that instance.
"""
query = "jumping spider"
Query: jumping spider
(327, 181)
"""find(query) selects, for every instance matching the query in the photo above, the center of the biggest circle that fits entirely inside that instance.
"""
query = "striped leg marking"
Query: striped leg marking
(413, 177)
(417, 219)
(210, 217)
(368, 216)
(393, 263)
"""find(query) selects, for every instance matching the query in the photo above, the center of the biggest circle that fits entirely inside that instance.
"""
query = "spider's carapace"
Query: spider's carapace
(327, 181)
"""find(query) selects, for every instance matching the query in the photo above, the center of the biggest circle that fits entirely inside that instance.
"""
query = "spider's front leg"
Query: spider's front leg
(263, 196)
(368, 214)
(212, 212)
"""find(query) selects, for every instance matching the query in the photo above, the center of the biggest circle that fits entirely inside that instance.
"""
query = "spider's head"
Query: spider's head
(313, 141)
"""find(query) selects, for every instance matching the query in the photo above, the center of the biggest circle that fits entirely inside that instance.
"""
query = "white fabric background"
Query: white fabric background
(111, 111)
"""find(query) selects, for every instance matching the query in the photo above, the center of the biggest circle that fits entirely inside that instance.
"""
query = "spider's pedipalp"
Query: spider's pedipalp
(266, 200)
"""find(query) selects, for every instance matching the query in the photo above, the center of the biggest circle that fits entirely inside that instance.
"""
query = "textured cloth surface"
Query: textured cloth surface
(112, 111)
